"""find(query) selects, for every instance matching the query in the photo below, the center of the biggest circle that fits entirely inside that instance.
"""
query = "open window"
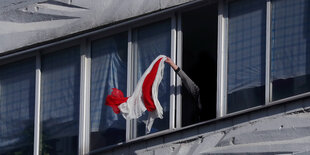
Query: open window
(199, 28)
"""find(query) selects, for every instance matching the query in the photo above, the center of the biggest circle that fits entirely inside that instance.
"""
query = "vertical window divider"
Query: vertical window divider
(172, 73)
(84, 124)
(129, 81)
(134, 80)
(36, 146)
(268, 84)
(221, 109)
(178, 79)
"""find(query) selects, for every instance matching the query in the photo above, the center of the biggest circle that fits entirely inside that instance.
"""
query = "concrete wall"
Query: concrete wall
(279, 129)
(27, 22)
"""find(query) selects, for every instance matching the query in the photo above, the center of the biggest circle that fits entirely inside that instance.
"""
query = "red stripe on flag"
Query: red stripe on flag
(147, 87)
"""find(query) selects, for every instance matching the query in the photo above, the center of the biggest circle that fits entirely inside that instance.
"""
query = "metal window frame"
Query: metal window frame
(222, 59)
(18, 58)
(62, 46)
(173, 85)
(37, 111)
(268, 83)
(84, 121)
(179, 62)
(129, 78)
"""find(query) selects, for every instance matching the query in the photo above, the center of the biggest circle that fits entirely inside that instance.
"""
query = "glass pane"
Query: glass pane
(149, 42)
(199, 29)
(108, 70)
(290, 48)
(17, 100)
(246, 54)
(60, 91)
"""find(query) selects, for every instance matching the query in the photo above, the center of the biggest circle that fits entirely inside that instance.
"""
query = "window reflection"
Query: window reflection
(60, 91)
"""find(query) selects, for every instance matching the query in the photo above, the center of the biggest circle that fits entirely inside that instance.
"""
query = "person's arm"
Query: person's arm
(188, 83)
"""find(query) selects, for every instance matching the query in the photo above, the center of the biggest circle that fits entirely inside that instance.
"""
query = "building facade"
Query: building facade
(59, 60)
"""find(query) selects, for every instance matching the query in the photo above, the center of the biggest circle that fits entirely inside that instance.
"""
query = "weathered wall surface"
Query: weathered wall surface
(26, 22)
(280, 129)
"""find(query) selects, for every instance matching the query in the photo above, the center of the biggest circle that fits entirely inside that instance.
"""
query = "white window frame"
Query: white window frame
(222, 59)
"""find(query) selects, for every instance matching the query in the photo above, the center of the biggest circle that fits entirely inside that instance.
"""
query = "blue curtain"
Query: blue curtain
(149, 42)
(290, 52)
(109, 70)
(246, 54)
(17, 99)
(60, 91)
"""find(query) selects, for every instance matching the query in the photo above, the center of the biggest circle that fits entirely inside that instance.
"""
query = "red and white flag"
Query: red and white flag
(144, 97)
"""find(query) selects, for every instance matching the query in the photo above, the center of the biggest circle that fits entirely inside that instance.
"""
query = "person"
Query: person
(189, 84)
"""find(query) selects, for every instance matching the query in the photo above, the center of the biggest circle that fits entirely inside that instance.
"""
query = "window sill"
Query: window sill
(227, 116)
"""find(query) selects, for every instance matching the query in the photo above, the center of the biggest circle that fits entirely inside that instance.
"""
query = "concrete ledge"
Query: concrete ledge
(279, 128)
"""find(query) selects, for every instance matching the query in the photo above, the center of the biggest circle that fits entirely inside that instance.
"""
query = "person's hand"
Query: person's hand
(171, 63)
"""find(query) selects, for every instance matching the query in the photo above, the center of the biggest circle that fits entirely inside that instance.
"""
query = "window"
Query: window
(108, 70)
(149, 42)
(60, 91)
(246, 54)
(17, 98)
(199, 29)
(290, 48)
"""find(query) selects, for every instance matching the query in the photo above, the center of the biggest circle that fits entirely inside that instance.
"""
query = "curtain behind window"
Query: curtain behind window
(290, 47)
(109, 70)
(246, 54)
(17, 99)
(149, 42)
(60, 91)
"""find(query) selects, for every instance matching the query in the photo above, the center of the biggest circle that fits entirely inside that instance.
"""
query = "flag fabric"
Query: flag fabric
(144, 97)
(115, 99)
